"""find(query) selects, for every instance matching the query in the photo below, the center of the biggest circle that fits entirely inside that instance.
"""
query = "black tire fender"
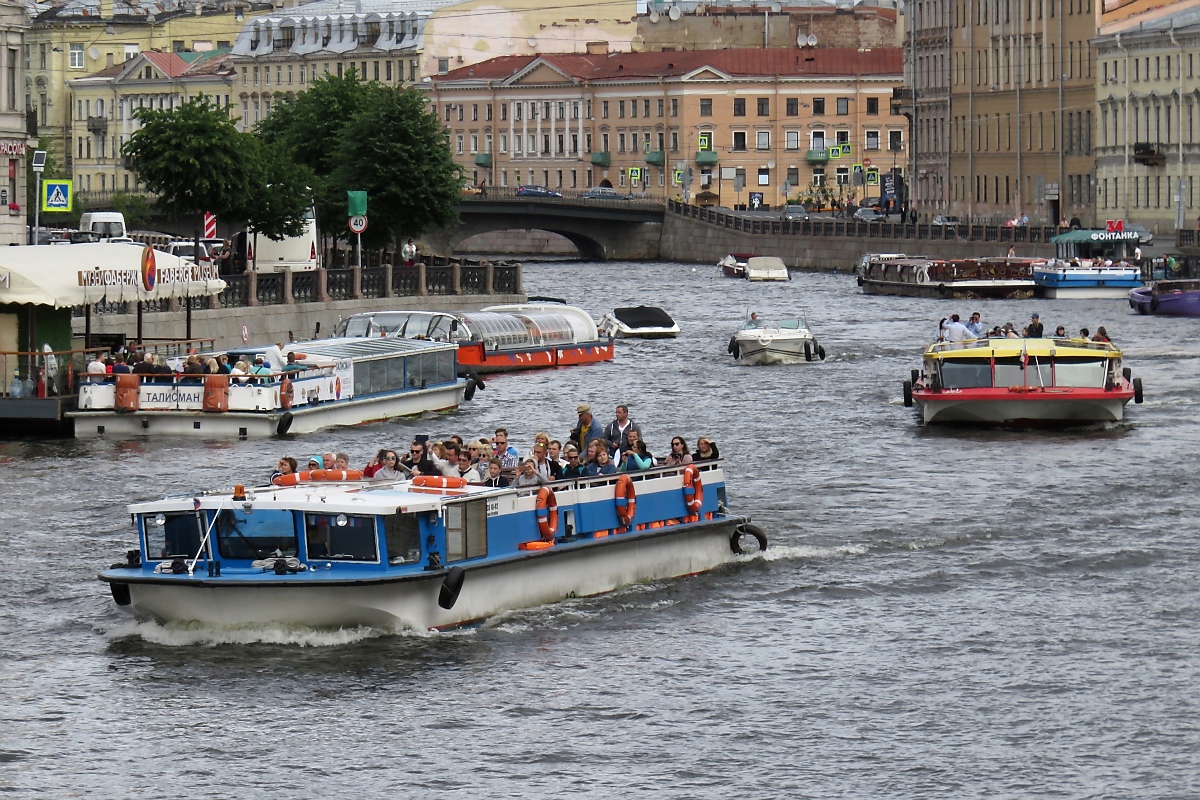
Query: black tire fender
(473, 375)
(735, 539)
(916, 377)
(451, 586)
(285, 423)
(860, 280)
(936, 382)
(1137, 390)
(908, 401)
(941, 288)
(808, 353)
(1153, 303)
(469, 394)
(1127, 373)
(820, 352)
(120, 593)
(733, 348)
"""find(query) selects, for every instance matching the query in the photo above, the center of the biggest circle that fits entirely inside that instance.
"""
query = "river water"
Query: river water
(941, 614)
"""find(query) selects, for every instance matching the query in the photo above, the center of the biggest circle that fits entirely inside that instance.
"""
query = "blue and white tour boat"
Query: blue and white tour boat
(1064, 279)
(433, 553)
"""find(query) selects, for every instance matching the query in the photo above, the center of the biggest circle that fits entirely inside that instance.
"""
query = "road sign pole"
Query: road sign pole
(37, 210)
(359, 237)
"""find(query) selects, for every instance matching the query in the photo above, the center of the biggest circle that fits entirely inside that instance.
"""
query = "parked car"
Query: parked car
(942, 219)
(869, 215)
(872, 202)
(604, 193)
(536, 191)
(469, 188)
(1144, 235)
(797, 212)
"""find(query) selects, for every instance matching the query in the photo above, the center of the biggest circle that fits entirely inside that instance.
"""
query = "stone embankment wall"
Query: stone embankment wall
(693, 240)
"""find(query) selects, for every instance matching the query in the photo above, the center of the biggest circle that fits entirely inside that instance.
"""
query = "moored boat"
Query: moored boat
(498, 338)
(639, 322)
(428, 554)
(959, 279)
(336, 382)
(1022, 383)
(1057, 279)
(786, 341)
(734, 264)
(767, 268)
(1167, 298)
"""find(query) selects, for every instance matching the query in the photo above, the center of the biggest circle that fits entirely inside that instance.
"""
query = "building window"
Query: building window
(872, 105)
(818, 140)
(575, 110)
(843, 176)
(504, 112)
(443, 66)
(674, 141)
(843, 137)
(818, 105)
(76, 55)
(603, 109)
(764, 106)
(620, 143)
(633, 109)
(661, 104)
(459, 142)
(763, 140)
(474, 143)
(818, 176)
(675, 102)
(621, 109)
(843, 106)
(131, 51)
(646, 108)
(872, 140)
(895, 141)
(739, 140)
(706, 107)
(764, 176)
(503, 141)
(739, 106)
(793, 107)
(460, 112)
(793, 177)
(604, 142)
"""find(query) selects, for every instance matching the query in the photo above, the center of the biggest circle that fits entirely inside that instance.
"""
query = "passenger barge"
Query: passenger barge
(430, 554)
(1022, 383)
(965, 279)
(498, 338)
(337, 382)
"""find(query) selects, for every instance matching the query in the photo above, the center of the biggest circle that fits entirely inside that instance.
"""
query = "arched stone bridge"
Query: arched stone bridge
(602, 230)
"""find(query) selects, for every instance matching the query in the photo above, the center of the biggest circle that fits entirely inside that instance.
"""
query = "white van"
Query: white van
(108, 224)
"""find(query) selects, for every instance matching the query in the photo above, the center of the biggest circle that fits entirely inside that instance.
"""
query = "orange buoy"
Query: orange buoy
(439, 481)
(319, 475)
(547, 513)
(693, 489)
(626, 499)
(537, 545)
(286, 394)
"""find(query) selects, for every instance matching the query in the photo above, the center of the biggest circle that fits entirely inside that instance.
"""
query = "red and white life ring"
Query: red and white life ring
(547, 513)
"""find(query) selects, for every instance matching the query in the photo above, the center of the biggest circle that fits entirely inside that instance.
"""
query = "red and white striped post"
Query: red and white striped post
(210, 226)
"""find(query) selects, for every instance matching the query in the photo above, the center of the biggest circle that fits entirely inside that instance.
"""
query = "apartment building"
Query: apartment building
(1018, 122)
(102, 119)
(1148, 120)
(775, 122)
(14, 141)
(78, 38)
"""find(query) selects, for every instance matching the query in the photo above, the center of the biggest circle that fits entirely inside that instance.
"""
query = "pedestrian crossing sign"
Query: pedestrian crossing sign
(57, 195)
(835, 152)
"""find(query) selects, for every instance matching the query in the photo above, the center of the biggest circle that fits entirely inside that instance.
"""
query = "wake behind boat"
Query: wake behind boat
(433, 553)
(786, 341)
(1022, 383)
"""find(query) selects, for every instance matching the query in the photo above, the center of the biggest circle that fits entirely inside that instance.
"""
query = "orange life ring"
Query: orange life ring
(439, 481)
(286, 394)
(319, 475)
(547, 513)
(693, 489)
(626, 499)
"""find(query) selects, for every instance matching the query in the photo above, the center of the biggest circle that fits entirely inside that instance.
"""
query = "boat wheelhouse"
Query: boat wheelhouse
(1167, 298)
(958, 279)
(498, 338)
(428, 554)
(336, 382)
(1022, 383)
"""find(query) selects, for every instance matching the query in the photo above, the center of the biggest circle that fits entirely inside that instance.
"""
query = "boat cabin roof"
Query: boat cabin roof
(1015, 348)
(328, 351)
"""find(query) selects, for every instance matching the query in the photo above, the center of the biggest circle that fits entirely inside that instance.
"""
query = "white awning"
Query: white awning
(81, 274)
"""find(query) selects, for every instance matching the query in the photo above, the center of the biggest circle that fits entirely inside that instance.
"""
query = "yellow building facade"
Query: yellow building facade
(775, 123)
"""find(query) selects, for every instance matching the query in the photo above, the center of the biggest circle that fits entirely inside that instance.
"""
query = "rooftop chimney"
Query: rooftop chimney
(597, 48)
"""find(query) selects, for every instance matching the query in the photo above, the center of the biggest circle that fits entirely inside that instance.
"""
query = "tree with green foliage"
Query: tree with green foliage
(134, 207)
(281, 193)
(307, 129)
(397, 152)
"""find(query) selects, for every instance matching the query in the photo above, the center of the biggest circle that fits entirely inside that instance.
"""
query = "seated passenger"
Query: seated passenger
(416, 452)
(145, 366)
(316, 462)
(494, 478)
(1101, 335)
(470, 472)
(602, 465)
(706, 450)
(1060, 332)
(555, 453)
(679, 454)
(541, 437)
(96, 369)
(529, 476)
(575, 467)
(341, 461)
(377, 463)
(390, 469)
(292, 366)
(286, 466)
(548, 469)
(238, 369)
(1084, 333)
(165, 373)
(317, 540)
(636, 456)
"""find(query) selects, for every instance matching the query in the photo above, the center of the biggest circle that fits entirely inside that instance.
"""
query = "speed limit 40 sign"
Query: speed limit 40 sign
(358, 224)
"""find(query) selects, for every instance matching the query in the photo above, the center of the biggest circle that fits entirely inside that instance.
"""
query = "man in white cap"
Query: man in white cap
(588, 429)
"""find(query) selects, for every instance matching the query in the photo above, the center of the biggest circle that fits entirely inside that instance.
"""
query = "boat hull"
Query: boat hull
(778, 350)
(1086, 282)
(537, 578)
(1082, 292)
(245, 424)
(1165, 304)
(955, 290)
(483, 361)
(1034, 408)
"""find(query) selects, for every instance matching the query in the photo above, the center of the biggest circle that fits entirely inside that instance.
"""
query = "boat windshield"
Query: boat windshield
(344, 537)
(172, 534)
(966, 373)
(976, 373)
(1080, 372)
(257, 534)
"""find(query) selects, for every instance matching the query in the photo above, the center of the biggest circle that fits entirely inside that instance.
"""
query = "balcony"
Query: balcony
(97, 125)
(602, 158)
(1149, 153)
(656, 158)
(706, 158)
(483, 160)
(817, 156)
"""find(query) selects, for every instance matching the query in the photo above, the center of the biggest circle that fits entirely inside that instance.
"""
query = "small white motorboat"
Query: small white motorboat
(788, 341)
(639, 322)
(767, 268)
